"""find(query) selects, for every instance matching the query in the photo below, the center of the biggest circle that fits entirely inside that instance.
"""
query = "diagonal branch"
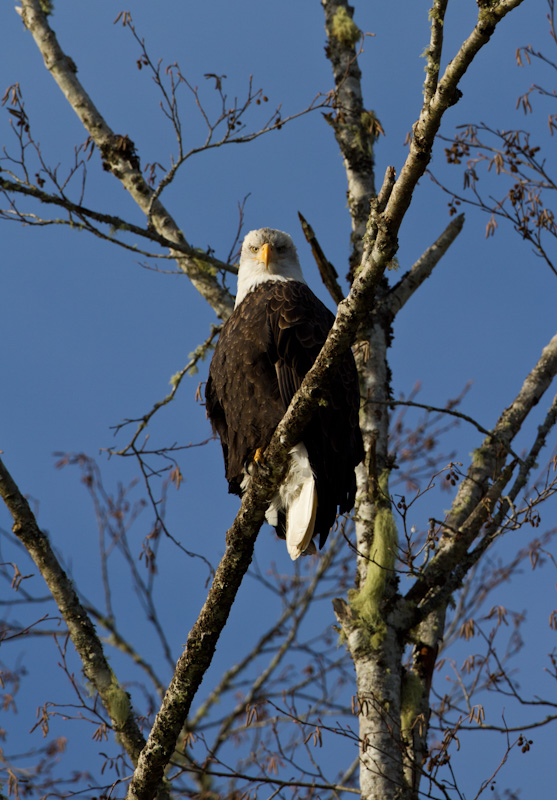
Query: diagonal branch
(493, 529)
(476, 497)
(328, 273)
(116, 223)
(119, 156)
(422, 269)
(80, 627)
(199, 650)
(427, 126)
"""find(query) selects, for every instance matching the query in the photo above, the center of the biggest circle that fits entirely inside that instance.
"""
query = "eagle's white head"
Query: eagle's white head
(267, 255)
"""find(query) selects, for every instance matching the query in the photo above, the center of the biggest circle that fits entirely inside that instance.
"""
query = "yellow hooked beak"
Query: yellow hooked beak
(265, 252)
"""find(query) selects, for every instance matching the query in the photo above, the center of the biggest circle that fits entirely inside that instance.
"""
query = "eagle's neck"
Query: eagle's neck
(248, 280)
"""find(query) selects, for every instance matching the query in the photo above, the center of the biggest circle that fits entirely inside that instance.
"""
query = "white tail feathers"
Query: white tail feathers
(297, 497)
(300, 519)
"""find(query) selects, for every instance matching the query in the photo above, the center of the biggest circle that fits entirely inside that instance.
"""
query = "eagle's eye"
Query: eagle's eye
(281, 248)
(253, 248)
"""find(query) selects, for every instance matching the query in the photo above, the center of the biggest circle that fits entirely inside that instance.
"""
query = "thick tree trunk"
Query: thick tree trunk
(379, 698)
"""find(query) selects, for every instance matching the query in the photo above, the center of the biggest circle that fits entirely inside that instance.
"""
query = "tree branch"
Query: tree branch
(119, 156)
(425, 130)
(328, 273)
(475, 499)
(355, 129)
(82, 632)
(117, 223)
(199, 650)
(401, 292)
(437, 17)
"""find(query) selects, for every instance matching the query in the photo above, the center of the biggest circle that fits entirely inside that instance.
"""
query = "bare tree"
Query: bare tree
(404, 598)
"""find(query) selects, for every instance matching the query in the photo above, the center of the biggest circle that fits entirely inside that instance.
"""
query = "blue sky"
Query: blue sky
(90, 337)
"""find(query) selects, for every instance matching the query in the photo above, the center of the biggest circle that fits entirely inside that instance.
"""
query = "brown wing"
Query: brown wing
(242, 396)
(299, 324)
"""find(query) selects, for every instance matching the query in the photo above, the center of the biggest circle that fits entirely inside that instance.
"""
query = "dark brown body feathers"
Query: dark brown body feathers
(264, 351)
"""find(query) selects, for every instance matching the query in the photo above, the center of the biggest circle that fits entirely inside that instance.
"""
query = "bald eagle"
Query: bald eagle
(266, 347)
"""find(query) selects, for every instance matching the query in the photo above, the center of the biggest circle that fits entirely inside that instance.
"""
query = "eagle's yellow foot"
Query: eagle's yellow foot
(258, 456)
